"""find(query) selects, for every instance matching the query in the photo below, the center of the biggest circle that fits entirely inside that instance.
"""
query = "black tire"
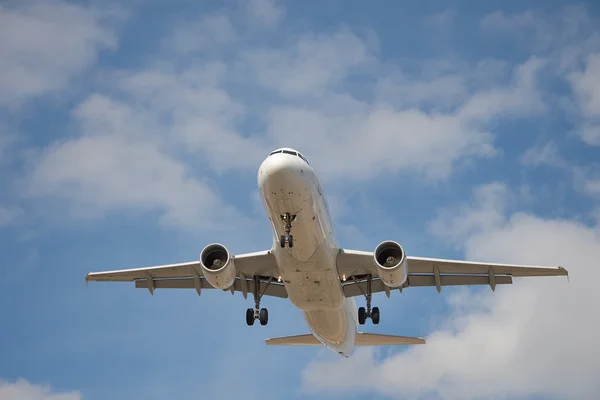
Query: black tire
(362, 315)
(375, 315)
(282, 241)
(263, 316)
(250, 317)
(291, 241)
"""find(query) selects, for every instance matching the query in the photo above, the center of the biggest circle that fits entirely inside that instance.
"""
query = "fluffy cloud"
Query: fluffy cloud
(546, 154)
(392, 139)
(50, 42)
(9, 214)
(203, 112)
(264, 12)
(23, 390)
(130, 157)
(586, 85)
(201, 34)
(570, 41)
(534, 337)
(311, 66)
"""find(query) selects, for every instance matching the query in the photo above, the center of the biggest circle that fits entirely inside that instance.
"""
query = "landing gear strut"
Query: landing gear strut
(368, 313)
(287, 238)
(258, 313)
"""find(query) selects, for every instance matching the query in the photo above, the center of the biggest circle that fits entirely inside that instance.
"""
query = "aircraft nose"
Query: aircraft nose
(279, 169)
(283, 172)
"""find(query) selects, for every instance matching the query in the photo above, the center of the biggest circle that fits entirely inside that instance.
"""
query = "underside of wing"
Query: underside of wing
(358, 270)
(251, 273)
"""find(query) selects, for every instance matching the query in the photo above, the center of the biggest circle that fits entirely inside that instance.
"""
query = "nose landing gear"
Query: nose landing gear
(287, 238)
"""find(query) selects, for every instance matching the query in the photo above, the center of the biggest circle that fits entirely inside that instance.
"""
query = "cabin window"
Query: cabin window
(302, 157)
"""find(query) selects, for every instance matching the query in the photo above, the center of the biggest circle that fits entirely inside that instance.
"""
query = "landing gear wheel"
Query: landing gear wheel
(362, 315)
(375, 315)
(263, 316)
(287, 238)
(250, 317)
(258, 313)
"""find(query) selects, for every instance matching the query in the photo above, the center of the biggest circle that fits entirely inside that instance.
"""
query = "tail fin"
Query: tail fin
(361, 339)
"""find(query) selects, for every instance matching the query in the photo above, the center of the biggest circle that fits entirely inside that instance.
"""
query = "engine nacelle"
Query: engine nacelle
(218, 266)
(391, 264)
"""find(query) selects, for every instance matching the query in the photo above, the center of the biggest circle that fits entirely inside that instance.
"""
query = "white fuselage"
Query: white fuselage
(288, 184)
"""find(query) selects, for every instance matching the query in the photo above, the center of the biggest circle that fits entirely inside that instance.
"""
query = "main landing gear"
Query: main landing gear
(258, 313)
(287, 238)
(368, 313)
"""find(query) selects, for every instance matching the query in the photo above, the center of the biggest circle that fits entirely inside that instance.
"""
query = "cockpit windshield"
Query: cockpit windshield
(290, 152)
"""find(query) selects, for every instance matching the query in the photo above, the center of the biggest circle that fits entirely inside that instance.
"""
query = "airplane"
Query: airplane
(307, 266)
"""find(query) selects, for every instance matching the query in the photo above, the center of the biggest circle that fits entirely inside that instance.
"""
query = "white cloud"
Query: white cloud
(586, 85)
(546, 154)
(520, 98)
(9, 214)
(50, 42)
(102, 173)
(311, 66)
(590, 134)
(135, 147)
(442, 91)
(264, 12)
(185, 111)
(201, 34)
(536, 336)
(170, 113)
(587, 180)
(566, 35)
(484, 212)
(357, 140)
(23, 390)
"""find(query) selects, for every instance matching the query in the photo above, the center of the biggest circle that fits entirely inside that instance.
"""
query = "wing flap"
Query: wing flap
(354, 267)
(352, 289)
(273, 289)
(260, 263)
(421, 265)
(179, 270)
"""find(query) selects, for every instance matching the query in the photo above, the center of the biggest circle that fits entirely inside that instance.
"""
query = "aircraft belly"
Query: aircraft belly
(312, 284)
(328, 325)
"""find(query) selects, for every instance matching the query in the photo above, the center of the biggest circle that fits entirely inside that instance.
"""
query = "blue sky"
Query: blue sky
(131, 134)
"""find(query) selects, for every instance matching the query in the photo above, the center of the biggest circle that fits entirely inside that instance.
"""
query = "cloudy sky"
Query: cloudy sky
(131, 134)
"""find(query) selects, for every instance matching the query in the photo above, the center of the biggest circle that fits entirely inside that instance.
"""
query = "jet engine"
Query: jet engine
(391, 264)
(218, 266)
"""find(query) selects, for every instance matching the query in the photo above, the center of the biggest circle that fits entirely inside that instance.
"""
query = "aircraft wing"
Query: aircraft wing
(257, 269)
(355, 267)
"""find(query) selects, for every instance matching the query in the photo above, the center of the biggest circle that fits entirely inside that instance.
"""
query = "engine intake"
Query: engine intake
(391, 264)
(218, 266)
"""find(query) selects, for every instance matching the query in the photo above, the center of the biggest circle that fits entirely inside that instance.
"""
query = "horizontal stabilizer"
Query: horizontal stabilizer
(297, 340)
(361, 339)
(375, 339)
